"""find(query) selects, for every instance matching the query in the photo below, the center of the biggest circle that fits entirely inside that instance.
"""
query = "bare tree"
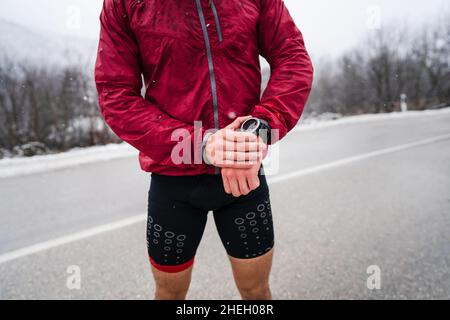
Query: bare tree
(389, 62)
(53, 107)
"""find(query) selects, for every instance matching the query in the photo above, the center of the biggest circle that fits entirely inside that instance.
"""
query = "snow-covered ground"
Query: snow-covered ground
(22, 166)
(317, 123)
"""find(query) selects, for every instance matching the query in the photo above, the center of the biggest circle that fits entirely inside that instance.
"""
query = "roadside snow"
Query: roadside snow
(314, 123)
(13, 167)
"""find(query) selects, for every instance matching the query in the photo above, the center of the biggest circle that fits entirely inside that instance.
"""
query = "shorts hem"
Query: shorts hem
(250, 257)
(172, 268)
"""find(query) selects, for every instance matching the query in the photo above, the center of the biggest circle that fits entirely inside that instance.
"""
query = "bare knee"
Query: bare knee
(260, 291)
(170, 293)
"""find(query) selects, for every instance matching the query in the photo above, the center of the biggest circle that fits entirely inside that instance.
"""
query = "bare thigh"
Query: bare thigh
(172, 286)
(252, 276)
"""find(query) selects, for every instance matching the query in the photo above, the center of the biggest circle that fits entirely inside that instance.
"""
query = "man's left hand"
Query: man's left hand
(240, 182)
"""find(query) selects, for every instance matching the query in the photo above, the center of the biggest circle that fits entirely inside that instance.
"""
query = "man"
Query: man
(199, 60)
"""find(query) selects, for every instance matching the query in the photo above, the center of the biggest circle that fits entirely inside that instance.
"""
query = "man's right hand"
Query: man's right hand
(229, 148)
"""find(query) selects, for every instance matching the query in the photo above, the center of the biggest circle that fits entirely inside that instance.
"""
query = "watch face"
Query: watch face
(251, 125)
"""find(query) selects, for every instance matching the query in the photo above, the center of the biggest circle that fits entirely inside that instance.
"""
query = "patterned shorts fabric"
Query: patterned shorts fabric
(177, 214)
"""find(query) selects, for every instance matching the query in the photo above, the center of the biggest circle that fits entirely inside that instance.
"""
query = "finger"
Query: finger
(263, 147)
(264, 151)
(237, 136)
(234, 186)
(236, 165)
(237, 123)
(253, 182)
(249, 157)
(221, 161)
(226, 184)
(242, 146)
(243, 186)
(230, 158)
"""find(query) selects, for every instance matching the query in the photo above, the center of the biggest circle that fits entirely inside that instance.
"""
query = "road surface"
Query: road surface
(347, 197)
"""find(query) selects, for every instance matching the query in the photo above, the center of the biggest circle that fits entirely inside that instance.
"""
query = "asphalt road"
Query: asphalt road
(333, 219)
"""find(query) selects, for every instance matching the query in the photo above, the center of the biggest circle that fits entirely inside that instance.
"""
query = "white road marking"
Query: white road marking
(368, 118)
(43, 246)
(345, 161)
(46, 245)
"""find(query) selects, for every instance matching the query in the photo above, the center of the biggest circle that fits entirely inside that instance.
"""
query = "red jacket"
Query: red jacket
(199, 60)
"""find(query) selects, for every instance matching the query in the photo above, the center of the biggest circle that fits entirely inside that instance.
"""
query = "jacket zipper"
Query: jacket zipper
(216, 18)
(210, 62)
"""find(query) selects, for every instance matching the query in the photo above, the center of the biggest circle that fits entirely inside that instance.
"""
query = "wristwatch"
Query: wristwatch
(259, 127)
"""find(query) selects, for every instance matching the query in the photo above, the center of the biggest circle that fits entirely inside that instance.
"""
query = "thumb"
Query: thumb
(236, 124)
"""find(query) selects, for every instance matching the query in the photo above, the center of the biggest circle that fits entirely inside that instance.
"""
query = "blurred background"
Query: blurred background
(361, 189)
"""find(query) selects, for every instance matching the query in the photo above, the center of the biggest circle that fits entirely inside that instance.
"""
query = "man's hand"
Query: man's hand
(229, 148)
(240, 182)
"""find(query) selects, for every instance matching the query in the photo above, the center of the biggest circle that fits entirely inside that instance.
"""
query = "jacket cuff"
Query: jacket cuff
(278, 129)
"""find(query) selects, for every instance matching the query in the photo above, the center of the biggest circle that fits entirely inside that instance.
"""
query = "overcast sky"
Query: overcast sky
(329, 26)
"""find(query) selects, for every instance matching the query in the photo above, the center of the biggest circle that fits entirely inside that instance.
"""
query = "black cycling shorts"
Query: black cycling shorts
(177, 212)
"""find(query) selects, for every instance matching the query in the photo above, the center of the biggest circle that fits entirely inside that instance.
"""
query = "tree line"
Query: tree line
(390, 62)
(46, 108)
